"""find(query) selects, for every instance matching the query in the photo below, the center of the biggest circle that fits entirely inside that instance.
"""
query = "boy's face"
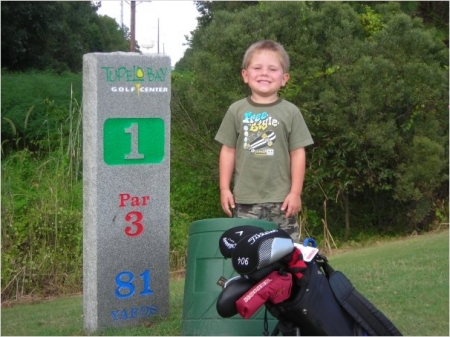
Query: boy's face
(265, 75)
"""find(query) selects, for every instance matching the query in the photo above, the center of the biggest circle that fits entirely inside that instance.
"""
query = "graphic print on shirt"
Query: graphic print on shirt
(257, 139)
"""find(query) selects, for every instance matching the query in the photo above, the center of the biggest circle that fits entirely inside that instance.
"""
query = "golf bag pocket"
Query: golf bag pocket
(314, 309)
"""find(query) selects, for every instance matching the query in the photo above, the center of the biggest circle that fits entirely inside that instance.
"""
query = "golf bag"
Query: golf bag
(296, 285)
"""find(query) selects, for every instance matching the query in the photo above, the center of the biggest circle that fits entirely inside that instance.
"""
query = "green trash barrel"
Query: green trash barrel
(205, 265)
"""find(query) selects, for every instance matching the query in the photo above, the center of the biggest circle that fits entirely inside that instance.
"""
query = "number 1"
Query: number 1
(134, 130)
(146, 277)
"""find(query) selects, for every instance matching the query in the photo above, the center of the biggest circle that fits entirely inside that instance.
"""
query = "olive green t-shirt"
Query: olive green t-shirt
(263, 136)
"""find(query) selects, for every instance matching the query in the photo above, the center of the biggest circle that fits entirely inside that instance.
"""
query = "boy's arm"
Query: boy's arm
(293, 202)
(226, 169)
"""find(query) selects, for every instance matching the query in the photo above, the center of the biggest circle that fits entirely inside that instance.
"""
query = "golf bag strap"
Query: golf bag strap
(372, 320)
(266, 323)
(322, 262)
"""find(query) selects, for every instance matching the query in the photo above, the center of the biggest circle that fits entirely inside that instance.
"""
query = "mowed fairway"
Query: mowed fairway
(406, 279)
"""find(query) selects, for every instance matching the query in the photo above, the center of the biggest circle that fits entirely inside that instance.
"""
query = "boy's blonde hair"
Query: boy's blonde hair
(267, 45)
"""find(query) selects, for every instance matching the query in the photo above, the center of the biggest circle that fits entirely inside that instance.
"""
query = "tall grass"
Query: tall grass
(42, 213)
(34, 105)
(42, 210)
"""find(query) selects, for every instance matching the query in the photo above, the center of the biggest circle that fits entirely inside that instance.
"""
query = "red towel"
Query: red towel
(297, 265)
(275, 288)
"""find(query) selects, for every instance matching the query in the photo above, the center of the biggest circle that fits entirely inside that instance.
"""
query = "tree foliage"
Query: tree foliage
(208, 8)
(56, 34)
(372, 84)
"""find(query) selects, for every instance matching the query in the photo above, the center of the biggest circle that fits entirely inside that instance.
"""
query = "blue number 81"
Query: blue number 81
(125, 287)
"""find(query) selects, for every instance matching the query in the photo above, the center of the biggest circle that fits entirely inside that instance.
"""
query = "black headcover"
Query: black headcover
(259, 250)
(234, 289)
(229, 239)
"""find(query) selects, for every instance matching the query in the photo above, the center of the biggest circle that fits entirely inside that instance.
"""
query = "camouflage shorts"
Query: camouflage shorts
(270, 211)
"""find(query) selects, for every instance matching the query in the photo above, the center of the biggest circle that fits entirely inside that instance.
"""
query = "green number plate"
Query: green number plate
(133, 141)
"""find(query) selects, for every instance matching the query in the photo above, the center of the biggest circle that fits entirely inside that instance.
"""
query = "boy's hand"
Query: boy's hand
(227, 201)
(292, 204)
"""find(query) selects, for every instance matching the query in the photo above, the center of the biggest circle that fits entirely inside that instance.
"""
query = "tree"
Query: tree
(208, 8)
(372, 85)
(55, 34)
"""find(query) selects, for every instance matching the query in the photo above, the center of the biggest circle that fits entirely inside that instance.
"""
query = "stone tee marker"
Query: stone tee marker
(126, 179)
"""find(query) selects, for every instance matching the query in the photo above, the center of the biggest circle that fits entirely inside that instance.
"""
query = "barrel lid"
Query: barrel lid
(223, 224)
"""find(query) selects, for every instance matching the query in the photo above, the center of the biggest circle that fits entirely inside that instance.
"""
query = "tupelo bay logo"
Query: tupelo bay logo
(136, 79)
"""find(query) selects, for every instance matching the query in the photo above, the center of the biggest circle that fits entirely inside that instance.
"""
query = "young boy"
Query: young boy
(263, 141)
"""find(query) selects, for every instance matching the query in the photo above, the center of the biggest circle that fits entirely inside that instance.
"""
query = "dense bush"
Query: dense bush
(372, 83)
(35, 106)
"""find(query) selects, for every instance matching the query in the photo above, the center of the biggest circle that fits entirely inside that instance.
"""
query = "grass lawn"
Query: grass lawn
(407, 279)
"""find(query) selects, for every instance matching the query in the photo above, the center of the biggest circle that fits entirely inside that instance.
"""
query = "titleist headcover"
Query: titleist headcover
(260, 250)
(229, 239)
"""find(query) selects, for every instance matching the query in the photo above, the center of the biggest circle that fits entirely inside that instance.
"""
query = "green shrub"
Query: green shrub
(34, 108)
